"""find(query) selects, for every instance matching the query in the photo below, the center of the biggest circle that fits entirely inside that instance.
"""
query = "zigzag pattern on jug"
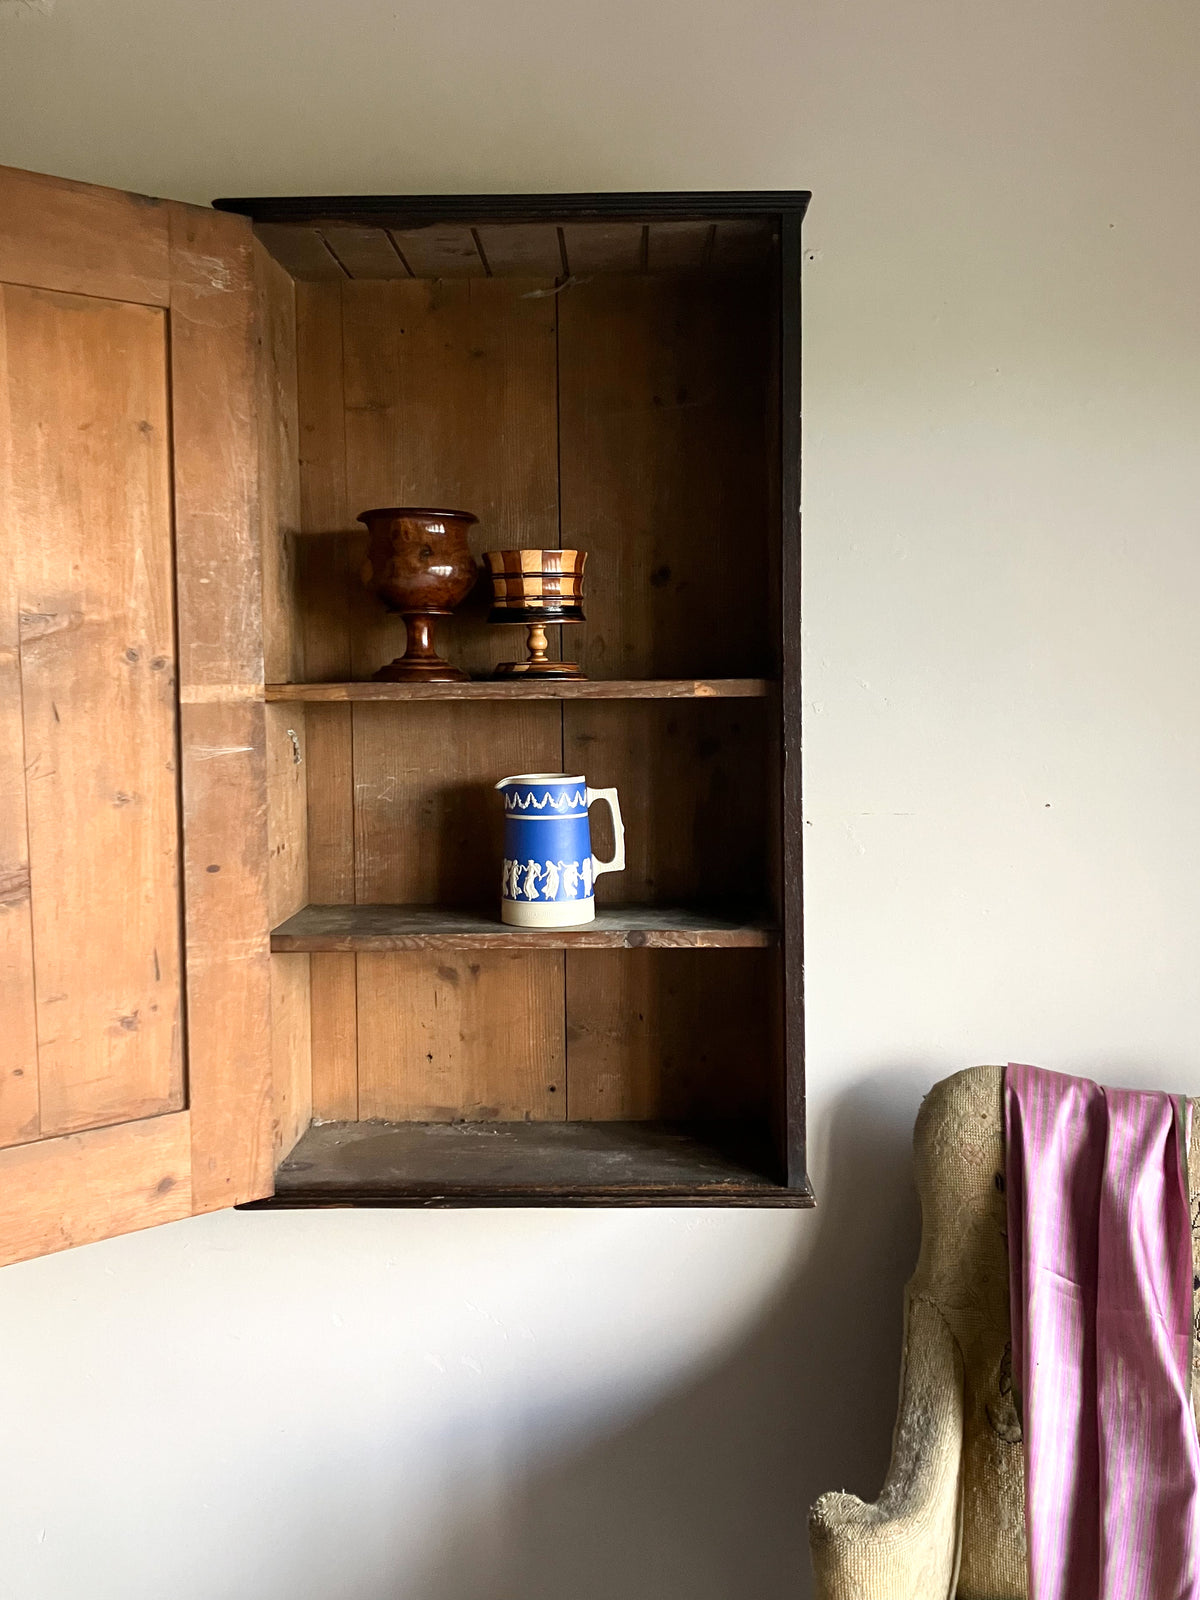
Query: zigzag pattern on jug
(562, 802)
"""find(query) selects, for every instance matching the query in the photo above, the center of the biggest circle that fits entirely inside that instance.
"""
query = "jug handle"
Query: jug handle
(617, 863)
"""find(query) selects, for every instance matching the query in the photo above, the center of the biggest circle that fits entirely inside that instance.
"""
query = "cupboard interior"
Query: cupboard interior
(605, 386)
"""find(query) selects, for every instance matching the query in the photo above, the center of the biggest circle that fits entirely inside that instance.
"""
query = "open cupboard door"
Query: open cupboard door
(135, 1003)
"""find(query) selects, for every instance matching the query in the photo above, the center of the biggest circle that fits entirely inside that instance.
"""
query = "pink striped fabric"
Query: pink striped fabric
(1100, 1270)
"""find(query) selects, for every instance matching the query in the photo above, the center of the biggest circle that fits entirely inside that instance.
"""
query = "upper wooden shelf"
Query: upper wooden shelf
(380, 928)
(526, 689)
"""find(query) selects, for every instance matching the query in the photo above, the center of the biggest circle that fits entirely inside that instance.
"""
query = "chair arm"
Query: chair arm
(905, 1546)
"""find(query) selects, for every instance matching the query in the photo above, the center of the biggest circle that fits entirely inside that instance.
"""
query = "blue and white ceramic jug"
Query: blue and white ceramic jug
(549, 870)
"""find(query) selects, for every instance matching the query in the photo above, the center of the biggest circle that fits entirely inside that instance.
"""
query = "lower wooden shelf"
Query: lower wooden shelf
(376, 928)
(525, 1163)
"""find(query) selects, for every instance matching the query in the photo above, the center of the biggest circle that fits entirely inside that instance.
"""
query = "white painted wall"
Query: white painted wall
(1003, 673)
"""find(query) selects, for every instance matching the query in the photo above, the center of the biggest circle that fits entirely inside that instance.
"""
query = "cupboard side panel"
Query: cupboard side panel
(214, 356)
(90, 528)
(287, 839)
(791, 722)
(287, 811)
(777, 879)
(327, 581)
(18, 1075)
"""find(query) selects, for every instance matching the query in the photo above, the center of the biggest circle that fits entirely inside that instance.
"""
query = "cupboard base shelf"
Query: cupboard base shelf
(526, 1163)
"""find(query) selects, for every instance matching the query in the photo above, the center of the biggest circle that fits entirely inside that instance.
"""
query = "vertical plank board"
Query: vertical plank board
(223, 723)
(691, 776)
(680, 1035)
(328, 580)
(663, 384)
(332, 543)
(445, 1036)
(334, 1028)
(450, 400)
(428, 829)
(18, 1023)
(427, 819)
(91, 539)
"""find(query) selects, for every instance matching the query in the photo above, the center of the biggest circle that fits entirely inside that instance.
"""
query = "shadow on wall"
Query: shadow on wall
(706, 1496)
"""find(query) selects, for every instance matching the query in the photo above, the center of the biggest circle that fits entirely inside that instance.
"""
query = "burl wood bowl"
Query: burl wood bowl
(420, 565)
(539, 589)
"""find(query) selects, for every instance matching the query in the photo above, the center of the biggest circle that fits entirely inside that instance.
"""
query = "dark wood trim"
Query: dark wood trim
(416, 210)
(791, 1199)
(791, 705)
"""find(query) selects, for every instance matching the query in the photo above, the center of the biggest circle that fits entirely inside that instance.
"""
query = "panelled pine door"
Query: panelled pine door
(134, 982)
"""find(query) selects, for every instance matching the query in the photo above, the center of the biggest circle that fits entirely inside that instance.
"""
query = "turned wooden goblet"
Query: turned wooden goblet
(540, 589)
(419, 564)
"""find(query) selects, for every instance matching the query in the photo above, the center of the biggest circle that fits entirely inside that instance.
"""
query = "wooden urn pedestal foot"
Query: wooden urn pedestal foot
(420, 662)
(537, 663)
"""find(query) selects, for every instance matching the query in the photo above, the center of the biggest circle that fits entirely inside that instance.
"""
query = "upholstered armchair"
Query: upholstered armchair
(950, 1521)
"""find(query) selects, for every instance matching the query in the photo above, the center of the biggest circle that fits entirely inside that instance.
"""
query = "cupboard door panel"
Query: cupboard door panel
(133, 793)
(89, 519)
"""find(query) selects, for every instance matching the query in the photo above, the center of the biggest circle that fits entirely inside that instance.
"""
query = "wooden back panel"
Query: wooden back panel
(626, 415)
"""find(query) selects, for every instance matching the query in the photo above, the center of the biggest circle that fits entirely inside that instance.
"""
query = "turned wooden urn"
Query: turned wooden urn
(420, 565)
(538, 589)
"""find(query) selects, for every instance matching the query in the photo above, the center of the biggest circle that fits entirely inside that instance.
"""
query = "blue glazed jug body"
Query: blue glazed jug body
(549, 873)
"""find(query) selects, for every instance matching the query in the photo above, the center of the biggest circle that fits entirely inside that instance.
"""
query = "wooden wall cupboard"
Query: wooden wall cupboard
(247, 924)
